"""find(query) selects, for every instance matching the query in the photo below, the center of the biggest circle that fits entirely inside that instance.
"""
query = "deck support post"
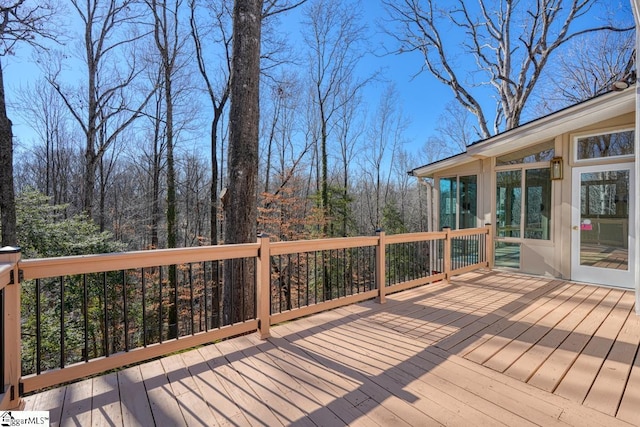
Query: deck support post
(263, 287)
(447, 253)
(381, 267)
(489, 245)
(10, 333)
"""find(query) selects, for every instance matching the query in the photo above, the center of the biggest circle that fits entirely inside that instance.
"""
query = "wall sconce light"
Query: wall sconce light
(556, 168)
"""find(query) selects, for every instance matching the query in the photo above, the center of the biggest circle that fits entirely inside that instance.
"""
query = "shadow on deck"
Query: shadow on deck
(487, 348)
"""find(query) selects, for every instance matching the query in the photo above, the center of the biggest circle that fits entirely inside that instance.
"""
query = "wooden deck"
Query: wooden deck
(489, 348)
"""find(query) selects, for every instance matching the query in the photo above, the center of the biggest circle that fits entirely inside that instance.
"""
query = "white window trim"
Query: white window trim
(523, 167)
(609, 159)
(457, 177)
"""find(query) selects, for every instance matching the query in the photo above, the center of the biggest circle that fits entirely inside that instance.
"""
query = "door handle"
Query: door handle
(575, 227)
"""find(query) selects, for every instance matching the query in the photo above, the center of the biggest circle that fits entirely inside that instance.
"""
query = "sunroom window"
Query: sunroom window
(458, 202)
(523, 210)
(612, 144)
(537, 153)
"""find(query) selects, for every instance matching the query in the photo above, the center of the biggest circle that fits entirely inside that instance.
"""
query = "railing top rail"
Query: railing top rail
(414, 237)
(298, 246)
(469, 232)
(52, 267)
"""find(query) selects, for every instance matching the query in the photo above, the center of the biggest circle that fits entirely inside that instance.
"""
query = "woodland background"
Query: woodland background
(130, 115)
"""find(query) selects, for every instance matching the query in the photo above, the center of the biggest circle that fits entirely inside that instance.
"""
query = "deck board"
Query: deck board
(608, 388)
(164, 406)
(503, 360)
(548, 376)
(51, 400)
(77, 404)
(136, 411)
(527, 364)
(486, 348)
(193, 406)
(630, 404)
(496, 342)
(105, 407)
(224, 410)
(578, 381)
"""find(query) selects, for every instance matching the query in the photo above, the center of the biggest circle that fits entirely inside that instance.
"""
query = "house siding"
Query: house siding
(551, 258)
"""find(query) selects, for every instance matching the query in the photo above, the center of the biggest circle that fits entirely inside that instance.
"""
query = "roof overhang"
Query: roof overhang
(427, 171)
(586, 113)
(600, 108)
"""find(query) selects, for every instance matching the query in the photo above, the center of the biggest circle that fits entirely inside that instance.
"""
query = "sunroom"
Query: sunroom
(559, 192)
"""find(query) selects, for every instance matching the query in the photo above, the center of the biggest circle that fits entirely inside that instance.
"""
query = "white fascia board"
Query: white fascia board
(428, 171)
(603, 107)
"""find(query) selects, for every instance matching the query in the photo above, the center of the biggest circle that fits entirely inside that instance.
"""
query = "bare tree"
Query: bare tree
(511, 43)
(350, 129)
(386, 135)
(106, 109)
(55, 152)
(335, 37)
(169, 44)
(244, 115)
(192, 196)
(454, 128)
(588, 69)
(218, 85)
(155, 159)
(21, 21)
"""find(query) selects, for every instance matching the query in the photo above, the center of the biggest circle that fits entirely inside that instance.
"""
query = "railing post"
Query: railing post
(489, 245)
(381, 273)
(11, 360)
(447, 253)
(263, 287)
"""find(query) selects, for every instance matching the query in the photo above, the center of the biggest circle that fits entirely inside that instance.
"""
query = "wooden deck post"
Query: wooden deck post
(263, 287)
(10, 397)
(381, 274)
(489, 245)
(447, 253)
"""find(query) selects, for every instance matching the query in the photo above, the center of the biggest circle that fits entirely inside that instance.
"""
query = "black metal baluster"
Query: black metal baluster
(125, 309)
(306, 277)
(38, 327)
(206, 297)
(175, 300)
(315, 276)
(330, 275)
(282, 291)
(160, 304)
(232, 297)
(62, 358)
(298, 277)
(105, 314)
(193, 326)
(144, 307)
(354, 254)
(289, 283)
(85, 305)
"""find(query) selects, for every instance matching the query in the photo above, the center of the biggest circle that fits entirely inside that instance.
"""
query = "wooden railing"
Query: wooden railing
(113, 310)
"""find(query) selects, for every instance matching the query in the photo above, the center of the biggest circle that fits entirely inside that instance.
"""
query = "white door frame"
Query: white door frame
(590, 274)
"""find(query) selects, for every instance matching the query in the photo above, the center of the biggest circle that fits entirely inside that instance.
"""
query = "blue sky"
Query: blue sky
(422, 98)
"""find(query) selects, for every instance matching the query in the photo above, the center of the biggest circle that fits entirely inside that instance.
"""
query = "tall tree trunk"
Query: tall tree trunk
(214, 182)
(167, 48)
(155, 196)
(7, 194)
(240, 209)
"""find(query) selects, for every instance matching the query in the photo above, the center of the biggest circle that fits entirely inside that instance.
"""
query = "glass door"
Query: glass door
(602, 239)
